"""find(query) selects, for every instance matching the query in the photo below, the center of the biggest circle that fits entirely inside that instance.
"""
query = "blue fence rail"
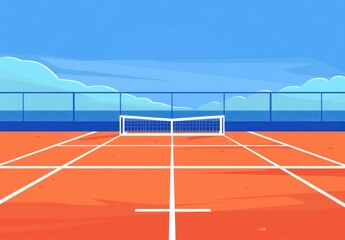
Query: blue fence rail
(242, 110)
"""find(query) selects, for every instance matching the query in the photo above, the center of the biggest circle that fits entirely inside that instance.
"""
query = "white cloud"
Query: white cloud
(18, 75)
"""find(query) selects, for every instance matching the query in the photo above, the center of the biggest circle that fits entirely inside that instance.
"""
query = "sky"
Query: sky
(179, 45)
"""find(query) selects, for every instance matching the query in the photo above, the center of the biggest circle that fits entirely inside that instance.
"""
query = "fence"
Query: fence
(242, 110)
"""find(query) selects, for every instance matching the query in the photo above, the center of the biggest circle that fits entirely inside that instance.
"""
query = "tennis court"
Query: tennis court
(104, 185)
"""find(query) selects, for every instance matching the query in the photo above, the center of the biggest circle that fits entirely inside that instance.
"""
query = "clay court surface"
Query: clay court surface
(244, 185)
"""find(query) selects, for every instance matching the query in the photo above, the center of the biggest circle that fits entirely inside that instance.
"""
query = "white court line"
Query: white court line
(326, 194)
(172, 206)
(8, 197)
(169, 134)
(44, 149)
(168, 145)
(113, 145)
(264, 145)
(226, 145)
(258, 167)
(176, 167)
(85, 167)
(299, 149)
(191, 210)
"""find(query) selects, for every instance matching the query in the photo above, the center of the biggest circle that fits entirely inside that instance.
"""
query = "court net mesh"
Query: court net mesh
(206, 125)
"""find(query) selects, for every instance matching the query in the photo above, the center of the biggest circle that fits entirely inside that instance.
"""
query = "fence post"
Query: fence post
(270, 106)
(23, 108)
(120, 107)
(73, 97)
(224, 103)
(321, 107)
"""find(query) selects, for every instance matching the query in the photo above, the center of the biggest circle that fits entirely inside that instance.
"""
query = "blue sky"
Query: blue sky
(178, 29)
(180, 45)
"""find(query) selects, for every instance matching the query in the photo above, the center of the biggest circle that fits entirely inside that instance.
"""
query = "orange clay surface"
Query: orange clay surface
(89, 204)
(139, 140)
(328, 144)
(331, 179)
(94, 139)
(127, 156)
(246, 138)
(285, 156)
(245, 203)
(14, 144)
(52, 157)
(13, 179)
(202, 140)
(217, 156)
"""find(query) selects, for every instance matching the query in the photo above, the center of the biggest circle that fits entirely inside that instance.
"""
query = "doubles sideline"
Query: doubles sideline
(15, 193)
(46, 148)
(319, 190)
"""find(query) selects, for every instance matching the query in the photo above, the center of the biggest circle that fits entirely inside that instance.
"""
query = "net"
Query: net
(207, 125)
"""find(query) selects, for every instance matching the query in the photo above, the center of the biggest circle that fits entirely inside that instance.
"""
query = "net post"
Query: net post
(171, 127)
(224, 125)
(120, 125)
(221, 125)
